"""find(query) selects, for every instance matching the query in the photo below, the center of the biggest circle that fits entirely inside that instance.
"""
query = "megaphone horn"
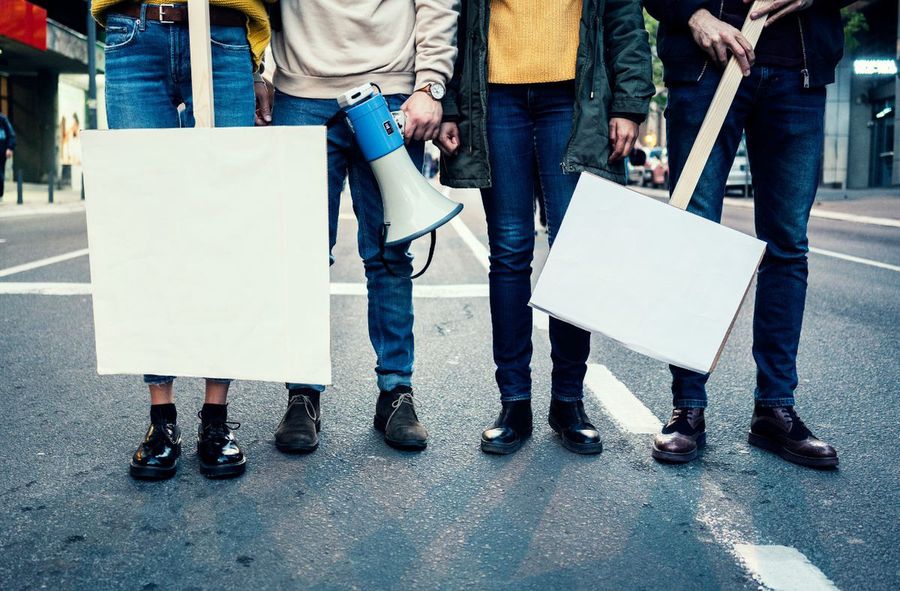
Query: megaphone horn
(412, 206)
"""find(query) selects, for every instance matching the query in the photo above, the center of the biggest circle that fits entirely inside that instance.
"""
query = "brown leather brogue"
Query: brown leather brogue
(779, 430)
(682, 437)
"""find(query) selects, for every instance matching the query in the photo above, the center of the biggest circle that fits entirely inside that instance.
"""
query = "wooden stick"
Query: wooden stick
(715, 116)
(201, 63)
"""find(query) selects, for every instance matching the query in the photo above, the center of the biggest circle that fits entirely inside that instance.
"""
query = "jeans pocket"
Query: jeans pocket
(120, 32)
(230, 38)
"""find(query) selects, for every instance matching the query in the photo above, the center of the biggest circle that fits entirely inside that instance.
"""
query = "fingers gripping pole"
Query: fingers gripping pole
(201, 63)
(715, 116)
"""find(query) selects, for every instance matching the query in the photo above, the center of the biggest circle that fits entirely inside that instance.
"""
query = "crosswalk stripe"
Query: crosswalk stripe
(619, 403)
(782, 568)
(43, 262)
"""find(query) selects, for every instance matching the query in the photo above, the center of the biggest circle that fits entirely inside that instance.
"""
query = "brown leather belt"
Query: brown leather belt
(177, 14)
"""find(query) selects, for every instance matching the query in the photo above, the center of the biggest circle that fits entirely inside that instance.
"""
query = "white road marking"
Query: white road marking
(619, 403)
(854, 259)
(783, 568)
(43, 262)
(2, 240)
(828, 215)
(472, 290)
(29, 209)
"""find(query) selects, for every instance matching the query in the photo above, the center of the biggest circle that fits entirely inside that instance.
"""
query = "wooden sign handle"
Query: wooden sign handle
(201, 63)
(715, 116)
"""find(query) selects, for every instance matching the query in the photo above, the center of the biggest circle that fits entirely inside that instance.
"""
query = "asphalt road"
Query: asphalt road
(357, 514)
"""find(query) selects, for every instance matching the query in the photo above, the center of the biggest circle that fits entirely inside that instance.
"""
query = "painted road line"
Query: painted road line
(853, 259)
(473, 290)
(783, 568)
(15, 211)
(619, 403)
(828, 215)
(43, 262)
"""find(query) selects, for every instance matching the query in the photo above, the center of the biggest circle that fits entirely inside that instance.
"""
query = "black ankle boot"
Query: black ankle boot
(157, 455)
(574, 427)
(395, 416)
(298, 430)
(510, 430)
(217, 448)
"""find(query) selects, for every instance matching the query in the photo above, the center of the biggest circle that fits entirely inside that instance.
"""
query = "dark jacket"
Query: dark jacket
(7, 136)
(613, 75)
(683, 61)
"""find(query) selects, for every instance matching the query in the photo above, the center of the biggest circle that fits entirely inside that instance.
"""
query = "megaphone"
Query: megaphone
(412, 207)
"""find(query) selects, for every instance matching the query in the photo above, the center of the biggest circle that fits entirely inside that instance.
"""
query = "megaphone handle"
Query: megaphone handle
(387, 265)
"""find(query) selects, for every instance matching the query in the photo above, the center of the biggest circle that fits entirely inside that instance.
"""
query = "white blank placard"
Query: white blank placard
(209, 252)
(661, 281)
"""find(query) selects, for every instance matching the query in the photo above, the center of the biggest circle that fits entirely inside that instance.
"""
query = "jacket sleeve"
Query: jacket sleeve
(627, 51)
(450, 102)
(10, 133)
(436, 22)
(674, 12)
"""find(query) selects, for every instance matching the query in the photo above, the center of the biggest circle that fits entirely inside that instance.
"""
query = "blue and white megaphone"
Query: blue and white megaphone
(412, 207)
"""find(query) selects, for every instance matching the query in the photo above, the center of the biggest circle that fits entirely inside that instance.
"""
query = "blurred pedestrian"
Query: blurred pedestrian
(7, 147)
(148, 75)
(324, 49)
(780, 105)
(541, 91)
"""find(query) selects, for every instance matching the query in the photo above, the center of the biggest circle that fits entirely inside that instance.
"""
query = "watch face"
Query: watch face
(437, 90)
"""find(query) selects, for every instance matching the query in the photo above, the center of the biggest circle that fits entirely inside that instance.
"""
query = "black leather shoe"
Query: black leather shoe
(395, 416)
(510, 430)
(157, 455)
(298, 429)
(574, 427)
(682, 437)
(779, 430)
(218, 450)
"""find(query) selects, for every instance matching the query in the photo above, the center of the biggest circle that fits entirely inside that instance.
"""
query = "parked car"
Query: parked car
(656, 170)
(739, 178)
(634, 166)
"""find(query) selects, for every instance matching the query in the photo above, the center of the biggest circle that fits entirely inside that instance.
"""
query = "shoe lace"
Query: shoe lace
(217, 429)
(308, 406)
(789, 415)
(404, 398)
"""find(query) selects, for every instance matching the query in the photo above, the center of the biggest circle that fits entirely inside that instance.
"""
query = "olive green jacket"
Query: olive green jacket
(613, 75)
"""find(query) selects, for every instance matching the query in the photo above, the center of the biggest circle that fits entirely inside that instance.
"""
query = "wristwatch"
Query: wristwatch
(435, 90)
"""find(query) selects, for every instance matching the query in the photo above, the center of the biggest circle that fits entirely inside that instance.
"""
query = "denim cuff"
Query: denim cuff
(514, 397)
(772, 402)
(387, 382)
(570, 397)
(225, 381)
(688, 403)
(154, 380)
(317, 387)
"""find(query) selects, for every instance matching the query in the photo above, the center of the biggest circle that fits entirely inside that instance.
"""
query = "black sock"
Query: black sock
(213, 413)
(163, 413)
(313, 395)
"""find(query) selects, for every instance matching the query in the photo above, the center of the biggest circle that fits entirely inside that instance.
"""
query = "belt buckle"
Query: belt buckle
(162, 14)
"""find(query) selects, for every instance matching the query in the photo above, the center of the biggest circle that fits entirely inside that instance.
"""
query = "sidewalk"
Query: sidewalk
(35, 200)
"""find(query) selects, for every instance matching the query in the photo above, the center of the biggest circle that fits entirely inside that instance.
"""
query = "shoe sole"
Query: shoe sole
(299, 449)
(227, 471)
(671, 457)
(786, 454)
(504, 448)
(401, 444)
(151, 472)
(578, 448)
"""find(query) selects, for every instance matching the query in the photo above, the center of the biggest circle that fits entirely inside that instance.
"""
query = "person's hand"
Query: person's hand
(779, 8)
(448, 138)
(718, 38)
(622, 135)
(423, 117)
(9, 154)
(264, 92)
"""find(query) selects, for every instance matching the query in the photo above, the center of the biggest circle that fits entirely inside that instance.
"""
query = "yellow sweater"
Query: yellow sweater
(257, 20)
(533, 40)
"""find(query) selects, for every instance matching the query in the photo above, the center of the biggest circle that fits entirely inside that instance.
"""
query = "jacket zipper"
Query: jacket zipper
(471, 88)
(805, 70)
(594, 49)
(706, 63)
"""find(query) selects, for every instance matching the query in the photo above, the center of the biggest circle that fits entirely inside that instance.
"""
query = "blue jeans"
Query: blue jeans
(784, 125)
(528, 126)
(148, 75)
(390, 295)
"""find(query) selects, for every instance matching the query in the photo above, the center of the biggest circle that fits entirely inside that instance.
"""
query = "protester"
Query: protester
(148, 76)
(541, 92)
(7, 146)
(780, 106)
(322, 50)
